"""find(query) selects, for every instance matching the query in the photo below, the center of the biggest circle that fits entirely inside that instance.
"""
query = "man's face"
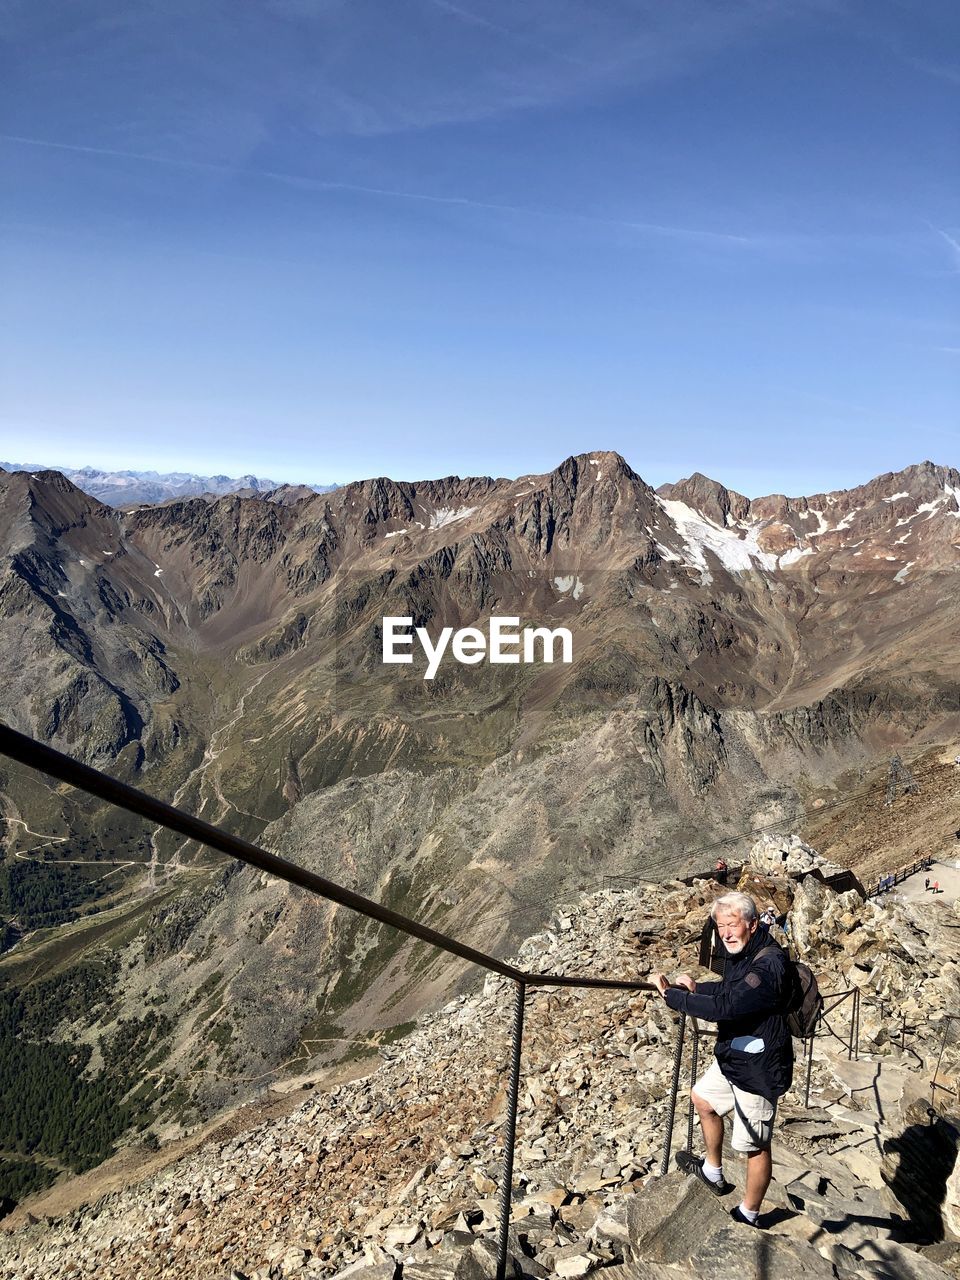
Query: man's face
(734, 933)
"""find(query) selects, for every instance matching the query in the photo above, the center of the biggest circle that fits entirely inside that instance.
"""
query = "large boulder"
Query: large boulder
(779, 855)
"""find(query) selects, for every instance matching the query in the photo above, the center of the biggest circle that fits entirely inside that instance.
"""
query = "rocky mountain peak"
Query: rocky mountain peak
(55, 503)
(583, 469)
(922, 482)
(721, 505)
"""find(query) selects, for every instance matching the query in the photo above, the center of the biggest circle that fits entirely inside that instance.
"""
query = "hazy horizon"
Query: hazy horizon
(654, 481)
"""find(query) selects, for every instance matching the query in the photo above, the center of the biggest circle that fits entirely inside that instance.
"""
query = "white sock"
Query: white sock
(713, 1171)
(751, 1215)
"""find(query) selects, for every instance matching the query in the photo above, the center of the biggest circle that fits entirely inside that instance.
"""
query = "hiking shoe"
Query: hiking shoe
(737, 1216)
(690, 1164)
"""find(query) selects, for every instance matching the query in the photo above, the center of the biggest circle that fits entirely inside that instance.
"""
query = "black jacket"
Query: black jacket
(748, 1005)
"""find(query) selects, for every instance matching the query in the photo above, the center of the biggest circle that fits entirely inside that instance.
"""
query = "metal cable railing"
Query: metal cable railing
(44, 759)
(950, 1030)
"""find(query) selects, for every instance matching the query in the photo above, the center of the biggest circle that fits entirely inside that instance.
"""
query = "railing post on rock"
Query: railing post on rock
(674, 1087)
(809, 1047)
(694, 1063)
(856, 1034)
(510, 1132)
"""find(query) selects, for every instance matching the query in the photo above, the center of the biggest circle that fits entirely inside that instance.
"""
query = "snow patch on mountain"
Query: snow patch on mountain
(931, 507)
(569, 583)
(699, 534)
(793, 555)
(447, 515)
(665, 553)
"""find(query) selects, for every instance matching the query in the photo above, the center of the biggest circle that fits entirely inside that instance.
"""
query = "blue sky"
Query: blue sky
(323, 239)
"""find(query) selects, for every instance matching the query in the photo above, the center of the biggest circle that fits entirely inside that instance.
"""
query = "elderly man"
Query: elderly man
(753, 1063)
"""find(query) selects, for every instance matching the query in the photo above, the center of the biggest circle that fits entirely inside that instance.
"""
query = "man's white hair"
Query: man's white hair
(740, 904)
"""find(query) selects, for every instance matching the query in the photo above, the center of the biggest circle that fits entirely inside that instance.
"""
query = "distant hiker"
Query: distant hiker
(936, 886)
(768, 917)
(753, 1062)
(926, 884)
(721, 871)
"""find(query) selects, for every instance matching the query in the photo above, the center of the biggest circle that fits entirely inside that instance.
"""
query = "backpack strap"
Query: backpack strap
(773, 950)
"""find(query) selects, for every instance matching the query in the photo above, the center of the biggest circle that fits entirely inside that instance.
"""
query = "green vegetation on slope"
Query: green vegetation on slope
(50, 1103)
(19, 1178)
(39, 894)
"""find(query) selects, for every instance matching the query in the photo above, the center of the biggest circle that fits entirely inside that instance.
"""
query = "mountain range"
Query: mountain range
(735, 660)
(126, 488)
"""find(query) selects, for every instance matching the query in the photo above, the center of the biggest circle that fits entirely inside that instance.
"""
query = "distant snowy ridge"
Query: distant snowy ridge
(121, 488)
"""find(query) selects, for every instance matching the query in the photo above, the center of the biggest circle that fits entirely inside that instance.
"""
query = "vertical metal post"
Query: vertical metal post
(936, 1072)
(694, 1060)
(853, 1020)
(806, 1087)
(903, 1032)
(510, 1133)
(674, 1086)
(856, 1038)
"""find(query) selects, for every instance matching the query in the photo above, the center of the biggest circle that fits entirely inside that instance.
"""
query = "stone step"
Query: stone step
(671, 1214)
(638, 1269)
(738, 1250)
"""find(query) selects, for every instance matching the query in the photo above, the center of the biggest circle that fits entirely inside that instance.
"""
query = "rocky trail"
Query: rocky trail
(395, 1175)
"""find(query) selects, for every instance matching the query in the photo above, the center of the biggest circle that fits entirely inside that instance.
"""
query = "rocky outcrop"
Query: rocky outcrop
(722, 506)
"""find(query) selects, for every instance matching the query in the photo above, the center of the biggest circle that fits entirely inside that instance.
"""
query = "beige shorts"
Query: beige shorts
(753, 1115)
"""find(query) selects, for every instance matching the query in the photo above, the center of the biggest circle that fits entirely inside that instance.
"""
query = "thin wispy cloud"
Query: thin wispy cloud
(380, 67)
(939, 70)
(918, 43)
(952, 242)
(954, 245)
(306, 182)
(477, 20)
